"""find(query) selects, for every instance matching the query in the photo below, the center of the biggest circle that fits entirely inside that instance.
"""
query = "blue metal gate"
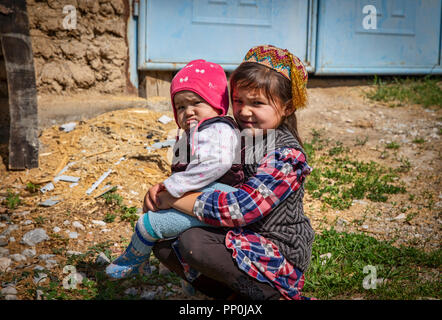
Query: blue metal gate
(173, 32)
(391, 37)
(330, 36)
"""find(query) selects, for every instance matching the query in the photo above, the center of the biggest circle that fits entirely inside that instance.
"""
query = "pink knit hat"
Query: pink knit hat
(207, 79)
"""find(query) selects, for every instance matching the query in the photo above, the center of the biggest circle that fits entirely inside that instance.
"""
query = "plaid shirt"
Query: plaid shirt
(279, 174)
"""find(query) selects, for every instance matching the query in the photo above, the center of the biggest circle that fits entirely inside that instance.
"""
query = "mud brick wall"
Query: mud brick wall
(92, 57)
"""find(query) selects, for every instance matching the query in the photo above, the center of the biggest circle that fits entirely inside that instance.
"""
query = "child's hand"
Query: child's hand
(150, 199)
(164, 200)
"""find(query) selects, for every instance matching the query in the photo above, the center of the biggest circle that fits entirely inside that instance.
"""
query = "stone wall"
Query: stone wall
(93, 57)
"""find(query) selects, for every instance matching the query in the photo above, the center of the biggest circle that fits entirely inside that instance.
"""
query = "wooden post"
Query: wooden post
(22, 91)
(155, 83)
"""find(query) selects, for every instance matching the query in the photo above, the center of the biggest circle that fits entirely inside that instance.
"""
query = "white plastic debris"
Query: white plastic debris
(165, 119)
(49, 202)
(97, 183)
(66, 178)
(119, 160)
(324, 257)
(47, 187)
(67, 127)
(163, 144)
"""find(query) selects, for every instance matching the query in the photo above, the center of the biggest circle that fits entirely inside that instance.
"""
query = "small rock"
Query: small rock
(50, 263)
(29, 253)
(3, 242)
(66, 222)
(11, 239)
(4, 217)
(39, 295)
(11, 297)
(46, 256)
(99, 222)
(17, 257)
(73, 235)
(365, 227)
(131, 291)
(148, 295)
(102, 259)
(4, 252)
(35, 236)
(362, 202)
(402, 216)
(163, 270)
(77, 225)
(8, 231)
(9, 290)
(27, 222)
(73, 253)
(21, 214)
(39, 276)
(4, 264)
(56, 229)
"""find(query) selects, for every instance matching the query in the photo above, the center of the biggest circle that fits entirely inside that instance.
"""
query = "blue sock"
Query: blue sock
(135, 259)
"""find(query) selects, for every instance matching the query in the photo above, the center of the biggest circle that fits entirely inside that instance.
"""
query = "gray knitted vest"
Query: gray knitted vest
(286, 225)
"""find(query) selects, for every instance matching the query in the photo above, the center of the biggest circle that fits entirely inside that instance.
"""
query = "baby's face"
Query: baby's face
(191, 109)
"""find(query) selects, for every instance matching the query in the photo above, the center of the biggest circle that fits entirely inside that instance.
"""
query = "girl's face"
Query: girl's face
(191, 109)
(253, 110)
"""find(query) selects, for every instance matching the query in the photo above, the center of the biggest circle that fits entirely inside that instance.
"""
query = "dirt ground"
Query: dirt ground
(117, 140)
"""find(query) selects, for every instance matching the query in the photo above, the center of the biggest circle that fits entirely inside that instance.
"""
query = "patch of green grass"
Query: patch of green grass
(337, 180)
(12, 200)
(113, 198)
(32, 188)
(338, 149)
(129, 214)
(342, 275)
(126, 213)
(426, 91)
(392, 145)
(418, 140)
(361, 142)
(39, 220)
(109, 217)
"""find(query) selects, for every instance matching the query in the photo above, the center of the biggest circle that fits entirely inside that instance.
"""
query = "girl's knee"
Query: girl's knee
(190, 245)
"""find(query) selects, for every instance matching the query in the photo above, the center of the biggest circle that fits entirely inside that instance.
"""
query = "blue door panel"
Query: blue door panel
(406, 38)
(178, 31)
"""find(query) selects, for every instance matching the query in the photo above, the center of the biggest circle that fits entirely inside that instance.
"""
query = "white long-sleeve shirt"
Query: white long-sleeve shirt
(215, 151)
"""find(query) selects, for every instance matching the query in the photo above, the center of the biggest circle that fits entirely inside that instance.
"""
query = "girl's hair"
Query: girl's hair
(275, 86)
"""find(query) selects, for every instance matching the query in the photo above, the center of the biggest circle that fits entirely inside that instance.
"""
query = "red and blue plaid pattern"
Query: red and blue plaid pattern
(280, 173)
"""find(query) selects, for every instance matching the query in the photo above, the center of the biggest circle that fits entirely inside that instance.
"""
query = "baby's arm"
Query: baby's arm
(215, 149)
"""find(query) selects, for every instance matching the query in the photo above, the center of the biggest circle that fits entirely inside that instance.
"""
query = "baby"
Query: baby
(205, 159)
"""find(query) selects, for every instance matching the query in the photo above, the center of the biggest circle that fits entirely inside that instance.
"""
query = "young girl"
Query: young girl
(204, 154)
(271, 238)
